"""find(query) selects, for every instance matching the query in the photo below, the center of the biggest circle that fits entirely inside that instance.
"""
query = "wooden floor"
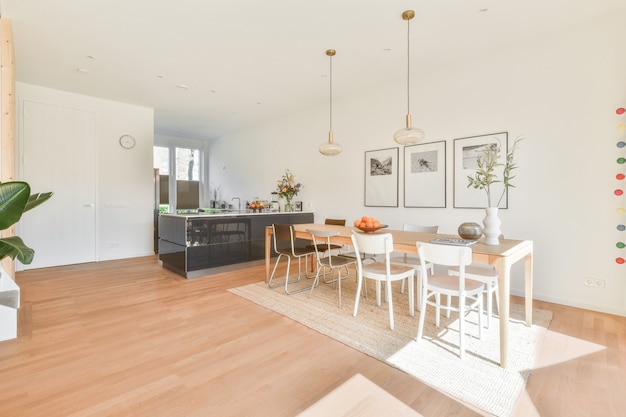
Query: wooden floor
(128, 338)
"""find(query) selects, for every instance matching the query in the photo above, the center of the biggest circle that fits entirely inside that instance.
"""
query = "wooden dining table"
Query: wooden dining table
(501, 256)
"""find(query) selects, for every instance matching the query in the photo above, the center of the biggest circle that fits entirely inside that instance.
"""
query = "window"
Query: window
(185, 162)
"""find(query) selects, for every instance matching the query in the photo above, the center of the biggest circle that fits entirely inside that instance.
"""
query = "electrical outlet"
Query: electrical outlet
(595, 282)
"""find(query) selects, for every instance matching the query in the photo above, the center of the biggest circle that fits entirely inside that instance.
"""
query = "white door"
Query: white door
(58, 155)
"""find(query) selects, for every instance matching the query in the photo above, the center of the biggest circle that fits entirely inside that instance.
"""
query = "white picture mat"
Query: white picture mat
(466, 151)
(425, 175)
(381, 178)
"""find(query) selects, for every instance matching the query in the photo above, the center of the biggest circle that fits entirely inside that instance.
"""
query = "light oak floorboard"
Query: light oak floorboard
(129, 338)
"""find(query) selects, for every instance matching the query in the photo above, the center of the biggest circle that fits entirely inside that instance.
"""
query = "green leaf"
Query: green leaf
(14, 247)
(37, 199)
(13, 199)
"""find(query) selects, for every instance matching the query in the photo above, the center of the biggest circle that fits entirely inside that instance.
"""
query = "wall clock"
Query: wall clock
(127, 141)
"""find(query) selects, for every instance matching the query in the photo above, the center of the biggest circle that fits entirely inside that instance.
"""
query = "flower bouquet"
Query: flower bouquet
(288, 189)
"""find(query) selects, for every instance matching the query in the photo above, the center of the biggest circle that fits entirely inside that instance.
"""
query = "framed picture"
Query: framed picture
(298, 206)
(466, 153)
(381, 178)
(425, 175)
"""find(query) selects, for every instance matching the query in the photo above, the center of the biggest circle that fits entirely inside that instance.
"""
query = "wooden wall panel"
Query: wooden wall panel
(7, 118)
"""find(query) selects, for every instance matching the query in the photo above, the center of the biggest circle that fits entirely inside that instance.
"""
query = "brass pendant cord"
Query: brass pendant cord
(408, 66)
(331, 91)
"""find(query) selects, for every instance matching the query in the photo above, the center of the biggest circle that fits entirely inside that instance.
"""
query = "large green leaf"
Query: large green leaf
(36, 199)
(14, 196)
(14, 247)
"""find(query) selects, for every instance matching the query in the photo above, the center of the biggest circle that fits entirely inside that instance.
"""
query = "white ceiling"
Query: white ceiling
(246, 61)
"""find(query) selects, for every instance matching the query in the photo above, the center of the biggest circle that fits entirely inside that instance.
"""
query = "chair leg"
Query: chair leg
(411, 295)
(390, 302)
(420, 326)
(269, 282)
(462, 325)
(358, 294)
(437, 309)
(489, 303)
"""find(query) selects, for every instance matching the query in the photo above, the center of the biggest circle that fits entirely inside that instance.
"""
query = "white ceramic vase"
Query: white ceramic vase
(492, 226)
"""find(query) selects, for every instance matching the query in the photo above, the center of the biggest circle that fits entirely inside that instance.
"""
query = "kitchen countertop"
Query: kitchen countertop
(229, 213)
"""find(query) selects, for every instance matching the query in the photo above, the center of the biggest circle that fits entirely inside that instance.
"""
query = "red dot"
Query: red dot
(620, 110)
(620, 176)
(618, 192)
(619, 260)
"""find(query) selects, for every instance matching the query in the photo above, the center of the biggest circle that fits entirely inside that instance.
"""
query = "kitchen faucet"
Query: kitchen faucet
(238, 202)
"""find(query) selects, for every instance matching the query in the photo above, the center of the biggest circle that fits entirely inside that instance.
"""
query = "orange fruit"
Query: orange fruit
(357, 223)
(376, 223)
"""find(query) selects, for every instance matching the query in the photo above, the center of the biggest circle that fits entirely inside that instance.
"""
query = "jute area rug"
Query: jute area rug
(477, 380)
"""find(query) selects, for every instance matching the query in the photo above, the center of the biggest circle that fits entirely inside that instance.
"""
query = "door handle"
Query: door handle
(89, 205)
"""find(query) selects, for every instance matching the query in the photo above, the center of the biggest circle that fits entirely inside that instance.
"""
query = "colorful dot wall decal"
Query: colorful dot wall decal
(620, 261)
(620, 245)
(621, 160)
(620, 176)
(621, 144)
(621, 227)
(618, 192)
(621, 210)
(621, 127)
(620, 110)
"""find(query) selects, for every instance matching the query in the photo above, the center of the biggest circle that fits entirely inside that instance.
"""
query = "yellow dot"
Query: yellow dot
(621, 210)
(621, 126)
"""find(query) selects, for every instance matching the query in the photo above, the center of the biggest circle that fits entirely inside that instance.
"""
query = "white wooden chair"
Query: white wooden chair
(380, 244)
(486, 274)
(414, 260)
(329, 263)
(469, 292)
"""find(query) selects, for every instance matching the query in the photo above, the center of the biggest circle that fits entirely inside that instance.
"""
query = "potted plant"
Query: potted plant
(485, 176)
(15, 199)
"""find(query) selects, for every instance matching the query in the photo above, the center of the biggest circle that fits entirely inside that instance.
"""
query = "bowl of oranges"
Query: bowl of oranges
(368, 224)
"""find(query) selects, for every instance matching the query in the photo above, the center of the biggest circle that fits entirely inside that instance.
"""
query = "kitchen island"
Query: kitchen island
(200, 244)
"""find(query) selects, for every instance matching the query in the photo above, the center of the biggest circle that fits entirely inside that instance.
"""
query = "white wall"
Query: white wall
(559, 91)
(124, 188)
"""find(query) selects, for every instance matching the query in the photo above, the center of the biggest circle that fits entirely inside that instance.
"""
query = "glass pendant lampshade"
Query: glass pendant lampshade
(409, 135)
(330, 148)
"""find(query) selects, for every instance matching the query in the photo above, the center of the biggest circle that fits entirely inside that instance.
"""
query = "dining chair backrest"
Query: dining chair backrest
(423, 229)
(445, 255)
(283, 237)
(335, 222)
(372, 244)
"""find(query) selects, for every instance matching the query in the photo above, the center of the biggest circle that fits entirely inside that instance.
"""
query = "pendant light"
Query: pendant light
(330, 148)
(408, 135)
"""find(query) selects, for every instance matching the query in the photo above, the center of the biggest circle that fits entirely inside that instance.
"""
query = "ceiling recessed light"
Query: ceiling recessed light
(90, 57)
(83, 70)
(159, 76)
(183, 86)
(484, 9)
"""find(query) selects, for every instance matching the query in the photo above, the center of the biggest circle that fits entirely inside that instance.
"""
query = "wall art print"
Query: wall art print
(425, 175)
(381, 178)
(466, 153)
